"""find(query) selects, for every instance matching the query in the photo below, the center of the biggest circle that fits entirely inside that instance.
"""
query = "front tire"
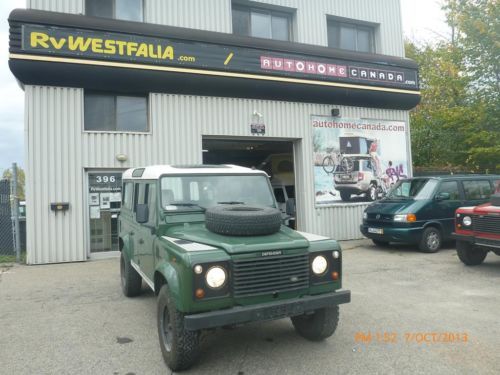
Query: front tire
(372, 193)
(319, 325)
(131, 281)
(179, 347)
(431, 240)
(345, 196)
(469, 254)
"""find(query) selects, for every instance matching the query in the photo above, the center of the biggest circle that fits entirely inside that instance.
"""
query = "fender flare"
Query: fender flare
(169, 273)
(434, 223)
(126, 246)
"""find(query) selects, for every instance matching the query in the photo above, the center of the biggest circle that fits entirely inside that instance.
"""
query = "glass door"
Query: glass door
(105, 196)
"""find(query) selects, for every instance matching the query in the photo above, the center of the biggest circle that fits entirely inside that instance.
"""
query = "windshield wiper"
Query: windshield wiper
(187, 205)
(231, 202)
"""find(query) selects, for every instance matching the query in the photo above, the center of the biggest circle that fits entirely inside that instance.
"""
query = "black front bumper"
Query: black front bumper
(265, 311)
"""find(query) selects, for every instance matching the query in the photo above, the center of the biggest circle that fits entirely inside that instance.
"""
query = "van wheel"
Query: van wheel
(346, 197)
(469, 254)
(131, 281)
(319, 325)
(372, 193)
(431, 240)
(179, 347)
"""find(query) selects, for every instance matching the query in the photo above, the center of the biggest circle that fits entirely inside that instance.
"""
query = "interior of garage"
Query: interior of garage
(273, 157)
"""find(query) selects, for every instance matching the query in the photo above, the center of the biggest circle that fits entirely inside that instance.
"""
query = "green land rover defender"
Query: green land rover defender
(209, 241)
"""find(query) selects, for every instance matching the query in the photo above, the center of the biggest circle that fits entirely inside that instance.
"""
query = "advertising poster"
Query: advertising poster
(357, 160)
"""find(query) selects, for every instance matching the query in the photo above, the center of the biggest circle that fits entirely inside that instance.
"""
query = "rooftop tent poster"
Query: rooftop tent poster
(357, 160)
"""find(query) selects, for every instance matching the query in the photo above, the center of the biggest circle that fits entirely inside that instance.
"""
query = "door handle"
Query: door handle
(141, 241)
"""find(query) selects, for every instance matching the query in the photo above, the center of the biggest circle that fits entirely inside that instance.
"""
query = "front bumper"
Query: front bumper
(265, 311)
(393, 234)
(478, 241)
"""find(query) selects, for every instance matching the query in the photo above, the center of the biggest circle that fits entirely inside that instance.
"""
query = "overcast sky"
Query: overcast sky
(423, 21)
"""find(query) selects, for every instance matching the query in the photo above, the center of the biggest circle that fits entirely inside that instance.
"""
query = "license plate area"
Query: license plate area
(376, 230)
(345, 177)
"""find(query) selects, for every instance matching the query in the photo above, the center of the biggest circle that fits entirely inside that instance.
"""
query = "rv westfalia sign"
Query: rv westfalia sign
(76, 51)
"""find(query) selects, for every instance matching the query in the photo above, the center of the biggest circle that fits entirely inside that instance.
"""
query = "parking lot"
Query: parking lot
(73, 319)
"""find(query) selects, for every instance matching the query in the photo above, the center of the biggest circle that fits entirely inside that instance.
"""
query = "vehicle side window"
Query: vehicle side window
(152, 203)
(128, 195)
(280, 196)
(290, 191)
(477, 189)
(450, 187)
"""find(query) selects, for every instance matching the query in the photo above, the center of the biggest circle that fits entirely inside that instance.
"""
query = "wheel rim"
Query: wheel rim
(433, 241)
(166, 329)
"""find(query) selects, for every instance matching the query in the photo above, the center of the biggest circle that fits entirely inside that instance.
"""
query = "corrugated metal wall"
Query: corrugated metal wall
(65, 6)
(59, 152)
(310, 16)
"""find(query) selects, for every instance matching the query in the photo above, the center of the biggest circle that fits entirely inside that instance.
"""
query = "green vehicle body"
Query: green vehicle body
(436, 210)
(158, 251)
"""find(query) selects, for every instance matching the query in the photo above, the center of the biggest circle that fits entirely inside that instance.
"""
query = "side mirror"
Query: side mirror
(290, 207)
(142, 213)
(442, 196)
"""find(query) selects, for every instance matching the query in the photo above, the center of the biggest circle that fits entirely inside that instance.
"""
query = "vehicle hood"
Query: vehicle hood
(486, 209)
(387, 206)
(286, 238)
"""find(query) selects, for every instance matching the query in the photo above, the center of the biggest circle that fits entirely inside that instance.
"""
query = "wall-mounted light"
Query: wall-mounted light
(121, 157)
(335, 112)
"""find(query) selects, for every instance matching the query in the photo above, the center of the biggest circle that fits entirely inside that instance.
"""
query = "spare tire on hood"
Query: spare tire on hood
(242, 220)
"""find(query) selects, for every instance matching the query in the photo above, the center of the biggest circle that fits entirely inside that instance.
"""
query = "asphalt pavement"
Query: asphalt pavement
(411, 313)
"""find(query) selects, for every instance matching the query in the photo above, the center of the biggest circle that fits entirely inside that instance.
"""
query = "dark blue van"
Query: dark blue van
(421, 210)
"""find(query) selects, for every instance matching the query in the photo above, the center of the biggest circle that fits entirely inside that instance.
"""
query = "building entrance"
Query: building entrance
(104, 201)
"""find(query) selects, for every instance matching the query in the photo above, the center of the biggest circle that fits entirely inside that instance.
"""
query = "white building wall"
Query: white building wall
(310, 16)
(59, 152)
(64, 6)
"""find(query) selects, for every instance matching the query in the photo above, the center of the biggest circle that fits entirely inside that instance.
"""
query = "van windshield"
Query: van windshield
(416, 188)
(198, 192)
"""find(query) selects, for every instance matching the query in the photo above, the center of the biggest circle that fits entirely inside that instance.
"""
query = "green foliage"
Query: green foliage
(21, 179)
(457, 124)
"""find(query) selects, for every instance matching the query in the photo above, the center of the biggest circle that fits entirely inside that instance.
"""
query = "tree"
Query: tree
(21, 180)
(457, 124)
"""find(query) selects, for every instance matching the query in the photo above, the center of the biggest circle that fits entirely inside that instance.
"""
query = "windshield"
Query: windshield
(198, 192)
(418, 188)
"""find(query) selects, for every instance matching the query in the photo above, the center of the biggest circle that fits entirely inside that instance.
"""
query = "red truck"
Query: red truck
(477, 231)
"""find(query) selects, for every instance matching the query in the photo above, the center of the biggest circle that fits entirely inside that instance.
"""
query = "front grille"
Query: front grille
(486, 224)
(270, 275)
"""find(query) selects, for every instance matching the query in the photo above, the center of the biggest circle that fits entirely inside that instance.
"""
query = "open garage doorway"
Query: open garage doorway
(272, 156)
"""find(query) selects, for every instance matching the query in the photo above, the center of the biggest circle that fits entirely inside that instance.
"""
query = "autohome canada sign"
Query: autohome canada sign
(332, 70)
(111, 48)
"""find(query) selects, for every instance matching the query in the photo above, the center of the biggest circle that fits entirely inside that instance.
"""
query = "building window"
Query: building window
(129, 10)
(351, 36)
(261, 23)
(116, 113)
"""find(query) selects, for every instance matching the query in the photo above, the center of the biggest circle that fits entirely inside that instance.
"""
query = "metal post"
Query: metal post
(15, 213)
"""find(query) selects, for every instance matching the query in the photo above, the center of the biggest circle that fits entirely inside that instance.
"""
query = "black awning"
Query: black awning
(57, 49)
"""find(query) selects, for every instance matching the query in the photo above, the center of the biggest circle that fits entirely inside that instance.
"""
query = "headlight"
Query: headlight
(319, 265)
(365, 216)
(405, 218)
(467, 221)
(215, 277)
